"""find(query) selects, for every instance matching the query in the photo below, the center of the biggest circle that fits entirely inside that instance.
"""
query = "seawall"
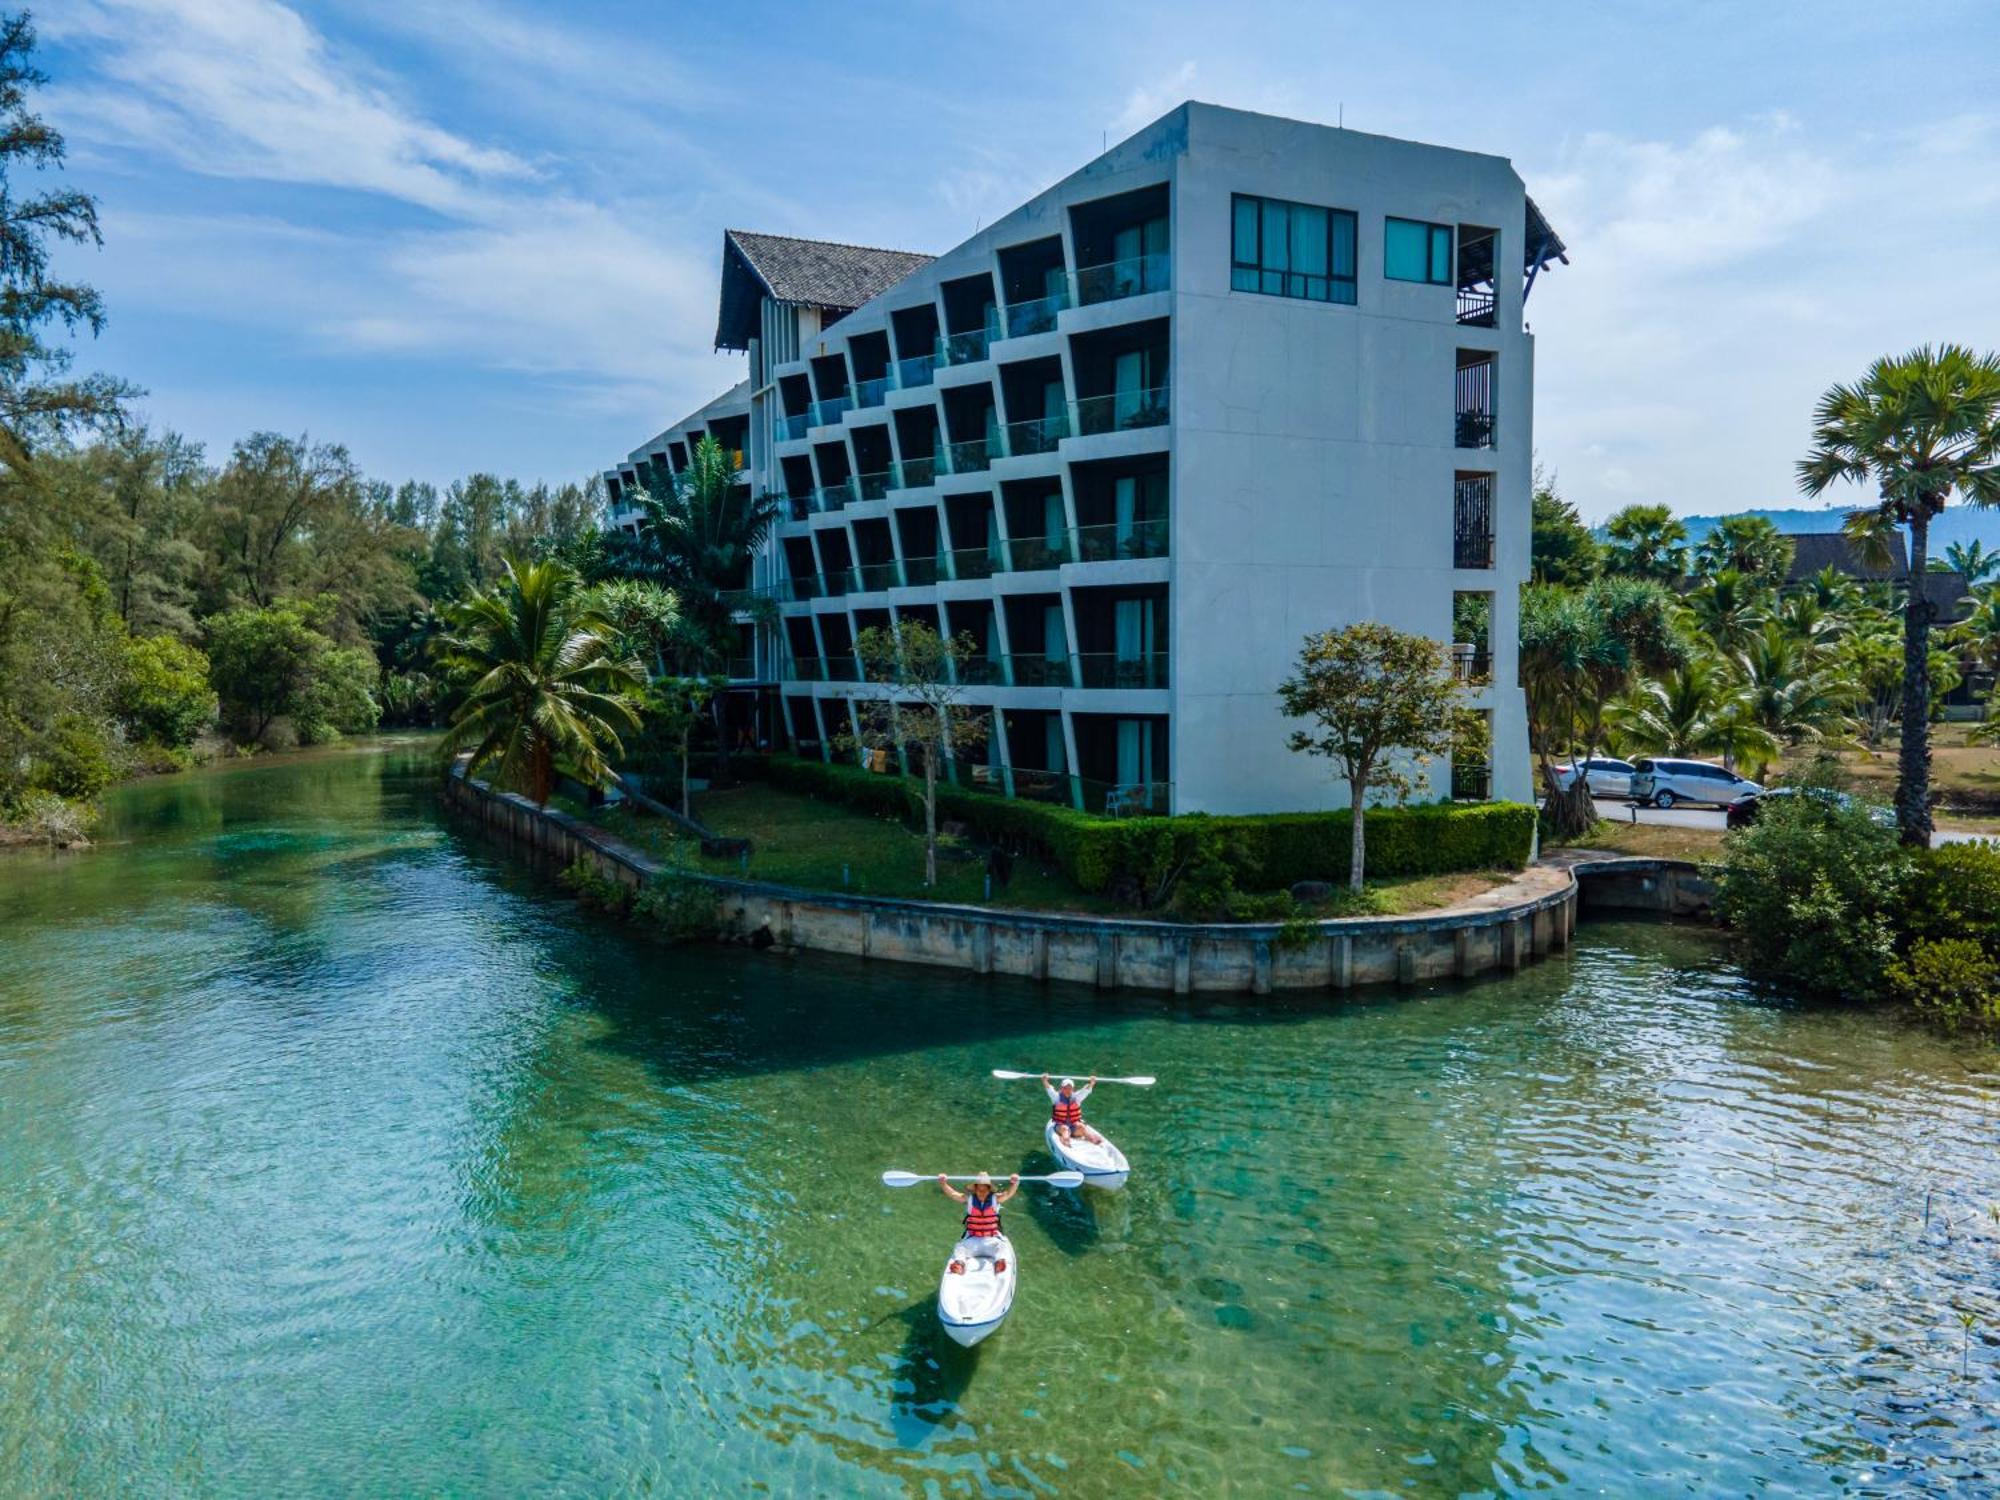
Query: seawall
(1500, 930)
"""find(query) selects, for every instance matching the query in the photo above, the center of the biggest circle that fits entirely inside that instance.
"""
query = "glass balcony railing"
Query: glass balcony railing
(918, 370)
(800, 506)
(1037, 435)
(971, 456)
(964, 348)
(969, 563)
(842, 669)
(742, 668)
(922, 572)
(1121, 411)
(806, 669)
(872, 578)
(826, 413)
(1130, 277)
(872, 392)
(1121, 540)
(792, 428)
(1035, 669)
(835, 583)
(1120, 669)
(916, 473)
(981, 671)
(1029, 554)
(873, 486)
(829, 498)
(1038, 316)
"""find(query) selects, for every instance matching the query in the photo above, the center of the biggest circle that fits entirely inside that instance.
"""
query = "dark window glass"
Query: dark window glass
(1291, 249)
(1414, 251)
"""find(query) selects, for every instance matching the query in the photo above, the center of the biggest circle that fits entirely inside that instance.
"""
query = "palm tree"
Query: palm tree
(542, 682)
(1751, 546)
(1694, 709)
(1920, 428)
(700, 536)
(1725, 608)
(1646, 541)
(1790, 687)
(1973, 563)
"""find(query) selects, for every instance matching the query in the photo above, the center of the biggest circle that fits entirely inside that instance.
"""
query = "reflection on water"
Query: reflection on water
(338, 1155)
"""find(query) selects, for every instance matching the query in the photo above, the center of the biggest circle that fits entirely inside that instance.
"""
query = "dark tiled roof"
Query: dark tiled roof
(1814, 550)
(811, 273)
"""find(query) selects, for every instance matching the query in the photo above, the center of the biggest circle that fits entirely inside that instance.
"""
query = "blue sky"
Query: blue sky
(482, 234)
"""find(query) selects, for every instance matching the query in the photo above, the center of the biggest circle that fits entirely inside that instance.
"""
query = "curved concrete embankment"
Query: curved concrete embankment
(1502, 929)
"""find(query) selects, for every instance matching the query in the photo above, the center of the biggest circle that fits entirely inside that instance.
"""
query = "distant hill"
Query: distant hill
(1959, 523)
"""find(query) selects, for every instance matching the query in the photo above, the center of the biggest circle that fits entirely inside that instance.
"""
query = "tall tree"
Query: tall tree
(542, 682)
(1752, 547)
(923, 712)
(39, 401)
(1694, 709)
(1920, 427)
(1561, 549)
(1646, 541)
(1372, 691)
(1974, 563)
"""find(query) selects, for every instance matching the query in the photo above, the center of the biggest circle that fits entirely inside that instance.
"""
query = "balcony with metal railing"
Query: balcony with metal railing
(1120, 541)
(1034, 554)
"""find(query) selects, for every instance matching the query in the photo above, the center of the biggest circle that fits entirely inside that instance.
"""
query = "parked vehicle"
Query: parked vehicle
(1743, 811)
(1607, 777)
(1664, 783)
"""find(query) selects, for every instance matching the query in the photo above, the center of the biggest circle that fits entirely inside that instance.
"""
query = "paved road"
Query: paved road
(1706, 817)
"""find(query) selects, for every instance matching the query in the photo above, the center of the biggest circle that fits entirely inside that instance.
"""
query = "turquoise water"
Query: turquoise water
(338, 1155)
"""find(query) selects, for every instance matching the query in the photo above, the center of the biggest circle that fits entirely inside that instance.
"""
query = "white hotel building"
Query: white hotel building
(1238, 379)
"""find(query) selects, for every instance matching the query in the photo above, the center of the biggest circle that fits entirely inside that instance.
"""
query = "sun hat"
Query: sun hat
(1069, 1083)
(982, 1180)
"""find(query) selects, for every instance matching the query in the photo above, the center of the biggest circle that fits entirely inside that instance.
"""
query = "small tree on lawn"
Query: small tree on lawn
(675, 705)
(922, 712)
(1371, 690)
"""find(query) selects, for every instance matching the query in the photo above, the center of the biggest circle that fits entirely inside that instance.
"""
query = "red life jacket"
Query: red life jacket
(982, 1220)
(1068, 1111)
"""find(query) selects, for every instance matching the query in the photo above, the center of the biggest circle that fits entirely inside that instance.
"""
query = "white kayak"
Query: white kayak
(1103, 1165)
(974, 1301)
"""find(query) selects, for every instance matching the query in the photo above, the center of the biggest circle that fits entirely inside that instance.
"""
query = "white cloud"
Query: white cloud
(245, 88)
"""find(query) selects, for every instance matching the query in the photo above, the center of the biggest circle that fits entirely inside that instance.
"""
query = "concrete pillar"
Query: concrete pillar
(982, 948)
(867, 930)
(1107, 961)
(1340, 963)
(1512, 941)
(1183, 965)
(1041, 960)
(1461, 953)
(1406, 961)
(1260, 967)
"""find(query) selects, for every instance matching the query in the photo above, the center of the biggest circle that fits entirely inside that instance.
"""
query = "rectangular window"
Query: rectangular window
(1417, 252)
(1291, 249)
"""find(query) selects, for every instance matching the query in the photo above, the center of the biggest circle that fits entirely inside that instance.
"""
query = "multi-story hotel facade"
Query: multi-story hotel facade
(1237, 380)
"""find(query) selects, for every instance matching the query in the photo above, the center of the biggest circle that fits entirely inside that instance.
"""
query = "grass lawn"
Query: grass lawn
(1653, 840)
(798, 841)
(1962, 774)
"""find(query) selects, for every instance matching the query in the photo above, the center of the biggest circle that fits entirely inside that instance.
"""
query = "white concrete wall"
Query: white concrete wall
(1313, 454)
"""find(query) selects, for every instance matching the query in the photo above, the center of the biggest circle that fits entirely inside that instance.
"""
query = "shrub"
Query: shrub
(682, 909)
(1811, 891)
(74, 759)
(599, 892)
(1280, 848)
(164, 698)
(1955, 893)
(1953, 982)
(44, 818)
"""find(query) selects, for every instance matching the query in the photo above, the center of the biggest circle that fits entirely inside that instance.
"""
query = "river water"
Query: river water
(339, 1155)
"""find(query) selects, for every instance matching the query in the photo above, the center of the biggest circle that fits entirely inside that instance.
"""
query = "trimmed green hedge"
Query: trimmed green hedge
(1276, 849)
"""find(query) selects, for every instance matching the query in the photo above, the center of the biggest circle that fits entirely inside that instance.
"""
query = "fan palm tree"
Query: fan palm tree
(1751, 546)
(1921, 428)
(1646, 541)
(542, 681)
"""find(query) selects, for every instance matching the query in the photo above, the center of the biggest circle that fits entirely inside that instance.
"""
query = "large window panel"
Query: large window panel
(1285, 249)
(1415, 251)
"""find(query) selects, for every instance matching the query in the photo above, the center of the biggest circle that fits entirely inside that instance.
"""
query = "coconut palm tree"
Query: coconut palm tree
(699, 536)
(1725, 609)
(1695, 709)
(542, 681)
(1790, 687)
(1973, 563)
(1920, 427)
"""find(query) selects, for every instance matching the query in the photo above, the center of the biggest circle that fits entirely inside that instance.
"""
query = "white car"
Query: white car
(1607, 777)
(1663, 783)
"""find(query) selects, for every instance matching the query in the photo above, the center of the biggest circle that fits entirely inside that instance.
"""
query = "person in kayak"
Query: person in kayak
(1066, 1108)
(982, 1220)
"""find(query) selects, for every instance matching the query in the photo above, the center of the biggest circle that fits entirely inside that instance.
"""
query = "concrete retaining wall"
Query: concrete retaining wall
(1502, 931)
